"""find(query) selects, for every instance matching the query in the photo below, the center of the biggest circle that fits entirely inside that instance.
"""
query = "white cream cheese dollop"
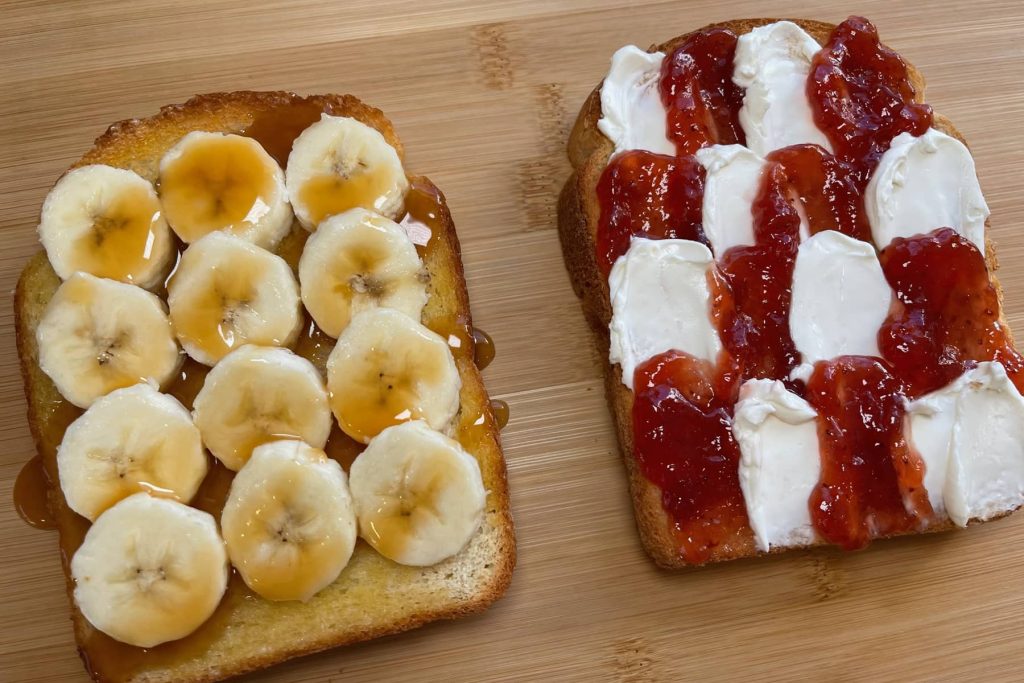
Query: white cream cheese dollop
(840, 299)
(929, 428)
(780, 464)
(661, 300)
(732, 182)
(632, 114)
(970, 435)
(772, 62)
(922, 184)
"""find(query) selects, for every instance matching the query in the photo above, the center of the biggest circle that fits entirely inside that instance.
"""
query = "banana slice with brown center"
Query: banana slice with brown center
(107, 222)
(98, 335)
(131, 440)
(387, 368)
(215, 181)
(419, 496)
(359, 260)
(257, 395)
(227, 292)
(340, 163)
(150, 570)
(288, 522)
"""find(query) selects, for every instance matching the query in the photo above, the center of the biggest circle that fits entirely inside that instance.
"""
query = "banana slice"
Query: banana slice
(288, 521)
(359, 260)
(107, 222)
(133, 439)
(419, 496)
(387, 368)
(150, 570)
(340, 163)
(260, 394)
(228, 292)
(98, 335)
(214, 181)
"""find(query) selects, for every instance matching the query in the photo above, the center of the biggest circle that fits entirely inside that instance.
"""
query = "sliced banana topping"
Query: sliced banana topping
(340, 163)
(257, 395)
(214, 181)
(419, 496)
(359, 260)
(150, 570)
(131, 440)
(387, 368)
(107, 222)
(98, 335)
(288, 522)
(227, 292)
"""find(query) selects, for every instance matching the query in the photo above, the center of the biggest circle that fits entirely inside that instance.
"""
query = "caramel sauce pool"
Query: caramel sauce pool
(110, 659)
(30, 498)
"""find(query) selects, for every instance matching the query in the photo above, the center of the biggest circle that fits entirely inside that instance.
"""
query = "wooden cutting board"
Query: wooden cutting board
(483, 96)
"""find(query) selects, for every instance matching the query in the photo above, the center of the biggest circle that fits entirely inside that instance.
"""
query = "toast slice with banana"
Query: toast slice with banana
(763, 225)
(249, 361)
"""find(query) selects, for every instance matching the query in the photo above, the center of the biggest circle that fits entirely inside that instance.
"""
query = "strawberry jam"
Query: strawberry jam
(651, 195)
(701, 101)
(947, 316)
(825, 188)
(862, 96)
(682, 439)
(871, 481)
(755, 328)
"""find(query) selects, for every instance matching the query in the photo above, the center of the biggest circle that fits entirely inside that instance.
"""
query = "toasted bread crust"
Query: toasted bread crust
(270, 633)
(578, 214)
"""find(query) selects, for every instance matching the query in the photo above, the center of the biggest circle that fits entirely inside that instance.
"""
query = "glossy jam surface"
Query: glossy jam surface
(824, 188)
(947, 315)
(862, 96)
(753, 321)
(649, 195)
(701, 101)
(871, 481)
(683, 443)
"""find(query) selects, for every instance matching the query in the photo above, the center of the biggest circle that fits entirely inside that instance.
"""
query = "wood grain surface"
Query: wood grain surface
(483, 95)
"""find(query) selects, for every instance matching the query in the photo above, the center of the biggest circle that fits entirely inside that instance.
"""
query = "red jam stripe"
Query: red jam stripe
(947, 315)
(754, 329)
(871, 481)
(649, 195)
(862, 96)
(825, 188)
(683, 443)
(701, 101)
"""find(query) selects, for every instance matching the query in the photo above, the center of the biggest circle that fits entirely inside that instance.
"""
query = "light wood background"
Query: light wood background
(483, 95)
